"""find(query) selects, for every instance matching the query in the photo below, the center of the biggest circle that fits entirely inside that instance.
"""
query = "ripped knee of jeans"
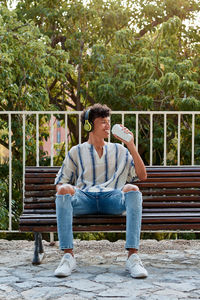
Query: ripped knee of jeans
(130, 187)
(66, 189)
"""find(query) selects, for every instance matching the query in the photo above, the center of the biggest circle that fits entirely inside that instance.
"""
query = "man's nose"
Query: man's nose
(108, 125)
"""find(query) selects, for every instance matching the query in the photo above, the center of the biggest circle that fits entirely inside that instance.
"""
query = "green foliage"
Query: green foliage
(111, 236)
(171, 27)
(115, 53)
(27, 63)
(187, 87)
(170, 83)
(3, 206)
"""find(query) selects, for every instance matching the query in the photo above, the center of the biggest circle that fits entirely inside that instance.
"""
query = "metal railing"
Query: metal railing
(66, 114)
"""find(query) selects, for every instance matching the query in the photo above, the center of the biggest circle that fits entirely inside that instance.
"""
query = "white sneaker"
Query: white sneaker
(135, 267)
(66, 266)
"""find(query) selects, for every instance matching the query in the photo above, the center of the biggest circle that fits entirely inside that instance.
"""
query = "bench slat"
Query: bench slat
(42, 169)
(168, 184)
(40, 193)
(38, 187)
(173, 169)
(114, 228)
(173, 205)
(172, 179)
(146, 219)
(154, 192)
(173, 174)
(40, 180)
(146, 199)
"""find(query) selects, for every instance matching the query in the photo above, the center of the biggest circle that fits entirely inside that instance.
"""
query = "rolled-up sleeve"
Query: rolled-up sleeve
(132, 176)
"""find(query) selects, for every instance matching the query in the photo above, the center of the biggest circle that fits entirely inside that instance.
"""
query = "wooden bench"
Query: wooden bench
(171, 202)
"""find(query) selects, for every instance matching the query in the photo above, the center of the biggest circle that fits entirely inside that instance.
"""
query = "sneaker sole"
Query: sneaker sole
(139, 276)
(61, 275)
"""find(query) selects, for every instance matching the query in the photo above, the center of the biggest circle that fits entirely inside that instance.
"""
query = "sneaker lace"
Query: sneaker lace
(136, 261)
(65, 260)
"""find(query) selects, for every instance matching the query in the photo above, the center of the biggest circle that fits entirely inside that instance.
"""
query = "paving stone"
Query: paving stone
(22, 273)
(5, 288)
(93, 270)
(160, 297)
(183, 287)
(47, 279)
(109, 277)
(171, 294)
(116, 298)
(45, 273)
(115, 292)
(8, 293)
(85, 285)
(87, 295)
(71, 297)
(197, 291)
(117, 269)
(78, 276)
(45, 292)
(8, 279)
(4, 273)
(186, 273)
(27, 285)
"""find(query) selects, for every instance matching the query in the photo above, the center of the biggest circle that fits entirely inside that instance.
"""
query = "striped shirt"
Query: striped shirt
(84, 168)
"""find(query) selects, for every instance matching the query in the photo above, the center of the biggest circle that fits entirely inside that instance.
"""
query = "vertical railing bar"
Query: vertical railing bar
(24, 153)
(179, 135)
(37, 141)
(193, 135)
(51, 235)
(79, 127)
(151, 139)
(136, 130)
(122, 118)
(109, 137)
(122, 114)
(52, 154)
(66, 132)
(51, 139)
(10, 172)
(165, 139)
(110, 128)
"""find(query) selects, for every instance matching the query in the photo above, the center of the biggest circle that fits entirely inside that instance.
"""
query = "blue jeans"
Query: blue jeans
(113, 202)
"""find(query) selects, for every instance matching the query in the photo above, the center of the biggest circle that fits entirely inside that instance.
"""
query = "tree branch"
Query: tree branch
(6, 145)
(58, 39)
(79, 75)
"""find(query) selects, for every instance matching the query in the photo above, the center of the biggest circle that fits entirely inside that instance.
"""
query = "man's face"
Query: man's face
(102, 127)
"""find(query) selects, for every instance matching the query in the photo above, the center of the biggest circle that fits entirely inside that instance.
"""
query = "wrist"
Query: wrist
(131, 145)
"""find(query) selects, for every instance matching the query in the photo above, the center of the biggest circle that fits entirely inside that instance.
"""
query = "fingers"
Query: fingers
(125, 129)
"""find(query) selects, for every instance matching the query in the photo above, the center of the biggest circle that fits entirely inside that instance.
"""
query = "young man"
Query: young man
(92, 180)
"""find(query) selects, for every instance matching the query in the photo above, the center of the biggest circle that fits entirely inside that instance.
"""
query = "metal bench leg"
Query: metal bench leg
(41, 249)
(38, 252)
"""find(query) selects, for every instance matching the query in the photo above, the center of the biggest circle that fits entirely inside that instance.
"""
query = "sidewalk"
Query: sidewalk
(173, 266)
